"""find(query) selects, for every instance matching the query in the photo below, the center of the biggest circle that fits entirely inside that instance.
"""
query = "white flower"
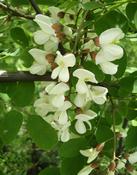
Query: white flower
(61, 113)
(63, 63)
(109, 50)
(47, 33)
(98, 94)
(56, 93)
(86, 170)
(63, 132)
(91, 154)
(43, 106)
(40, 65)
(121, 164)
(63, 129)
(88, 92)
(54, 11)
(90, 46)
(83, 77)
(133, 158)
(82, 119)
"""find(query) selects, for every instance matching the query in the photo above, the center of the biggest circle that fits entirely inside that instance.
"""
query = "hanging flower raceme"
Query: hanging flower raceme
(82, 119)
(41, 64)
(109, 51)
(63, 62)
(91, 154)
(87, 92)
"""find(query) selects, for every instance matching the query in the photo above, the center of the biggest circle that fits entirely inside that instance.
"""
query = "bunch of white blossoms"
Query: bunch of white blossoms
(108, 52)
(91, 154)
(55, 101)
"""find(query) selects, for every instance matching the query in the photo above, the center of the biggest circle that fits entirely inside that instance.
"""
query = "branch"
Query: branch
(15, 12)
(23, 76)
(35, 6)
(121, 140)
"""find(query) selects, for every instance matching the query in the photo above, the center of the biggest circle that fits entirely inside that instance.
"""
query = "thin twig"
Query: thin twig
(35, 6)
(14, 12)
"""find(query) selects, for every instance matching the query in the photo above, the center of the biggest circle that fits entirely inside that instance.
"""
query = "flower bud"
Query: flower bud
(50, 58)
(99, 147)
(112, 166)
(57, 27)
(96, 41)
(93, 55)
(60, 36)
(53, 66)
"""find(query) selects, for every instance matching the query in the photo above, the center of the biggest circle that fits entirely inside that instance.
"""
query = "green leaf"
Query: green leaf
(26, 2)
(22, 93)
(71, 166)
(50, 171)
(108, 21)
(27, 58)
(131, 139)
(19, 36)
(41, 132)
(103, 133)
(122, 64)
(126, 86)
(131, 9)
(72, 147)
(91, 5)
(95, 69)
(10, 125)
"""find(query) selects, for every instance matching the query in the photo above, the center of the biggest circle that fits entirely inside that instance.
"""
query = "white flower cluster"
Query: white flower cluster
(91, 154)
(55, 101)
(108, 52)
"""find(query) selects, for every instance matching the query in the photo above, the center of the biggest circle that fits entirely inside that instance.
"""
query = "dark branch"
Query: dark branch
(35, 6)
(23, 76)
(121, 140)
(14, 12)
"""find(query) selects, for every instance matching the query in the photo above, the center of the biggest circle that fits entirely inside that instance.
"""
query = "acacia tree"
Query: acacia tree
(84, 105)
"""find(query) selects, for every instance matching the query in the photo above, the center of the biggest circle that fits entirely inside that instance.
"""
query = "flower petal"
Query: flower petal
(38, 69)
(86, 170)
(81, 87)
(52, 45)
(98, 94)
(40, 37)
(69, 60)
(38, 55)
(64, 75)
(109, 68)
(60, 88)
(63, 118)
(80, 100)
(65, 135)
(112, 52)
(110, 36)
(55, 72)
(84, 75)
(57, 101)
(54, 12)
(80, 127)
